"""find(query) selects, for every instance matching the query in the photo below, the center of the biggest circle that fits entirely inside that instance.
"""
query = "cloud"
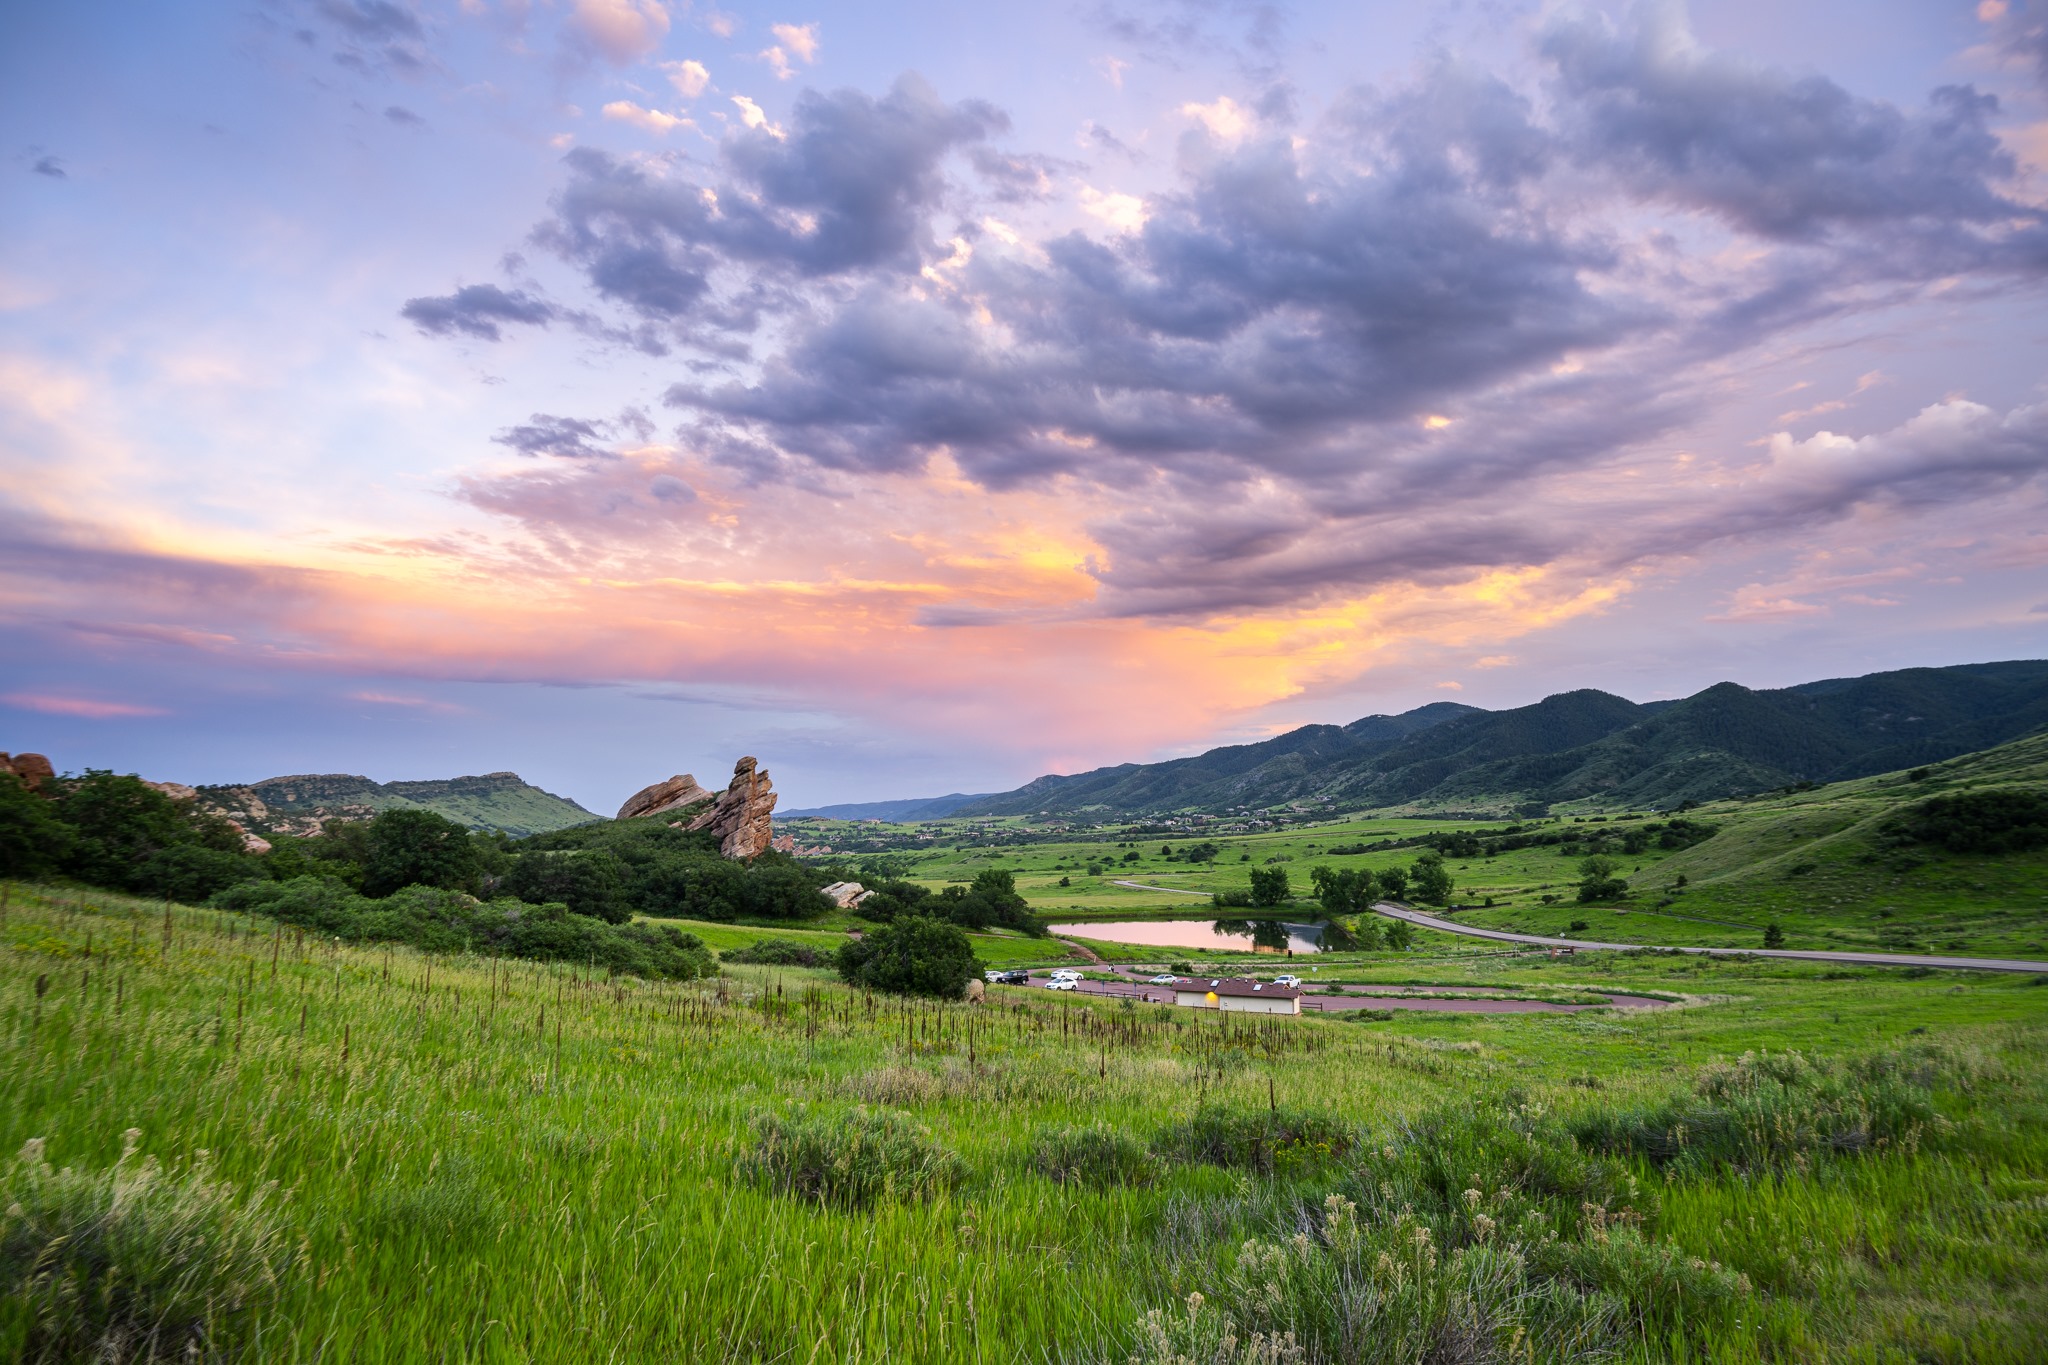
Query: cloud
(83, 707)
(407, 702)
(653, 120)
(403, 117)
(1224, 117)
(620, 31)
(376, 36)
(50, 166)
(1788, 158)
(1450, 687)
(567, 437)
(689, 78)
(476, 310)
(847, 188)
(802, 39)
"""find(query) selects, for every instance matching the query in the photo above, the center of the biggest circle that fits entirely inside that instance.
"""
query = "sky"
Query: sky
(923, 397)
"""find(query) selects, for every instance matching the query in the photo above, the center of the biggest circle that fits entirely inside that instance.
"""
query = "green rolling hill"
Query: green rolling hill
(297, 805)
(1585, 750)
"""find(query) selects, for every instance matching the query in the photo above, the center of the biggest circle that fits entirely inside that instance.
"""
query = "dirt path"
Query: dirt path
(1973, 964)
(1169, 890)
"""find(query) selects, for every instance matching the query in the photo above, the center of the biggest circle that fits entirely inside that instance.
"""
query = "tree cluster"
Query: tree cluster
(990, 902)
(913, 954)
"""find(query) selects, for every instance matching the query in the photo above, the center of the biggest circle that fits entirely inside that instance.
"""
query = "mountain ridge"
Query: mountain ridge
(1584, 746)
(297, 804)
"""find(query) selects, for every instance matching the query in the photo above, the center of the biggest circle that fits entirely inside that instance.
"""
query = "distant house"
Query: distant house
(1251, 997)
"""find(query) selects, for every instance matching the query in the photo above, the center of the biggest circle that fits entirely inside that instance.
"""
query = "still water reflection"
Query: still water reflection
(1265, 935)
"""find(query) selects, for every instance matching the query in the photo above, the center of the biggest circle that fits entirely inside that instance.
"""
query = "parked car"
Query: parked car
(1062, 983)
(1163, 979)
(1066, 974)
(992, 976)
(1016, 976)
(1289, 979)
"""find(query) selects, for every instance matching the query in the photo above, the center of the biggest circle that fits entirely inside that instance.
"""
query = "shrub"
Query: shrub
(1269, 886)
(133, 1263)
(911, 955)
(442, 921)
(1764, 1109)
(1098, 1154)
(851, 1161)
(1997, 820)
(777, 952)
(1259, 1140)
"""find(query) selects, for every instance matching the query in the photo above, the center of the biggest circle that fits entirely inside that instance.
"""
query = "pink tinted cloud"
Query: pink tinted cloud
(85, 707)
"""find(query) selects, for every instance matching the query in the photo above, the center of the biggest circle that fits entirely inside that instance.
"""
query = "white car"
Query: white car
(1163, 979)
(1290, 979)
(1061, 983)
(1066, 974)
(992, 976)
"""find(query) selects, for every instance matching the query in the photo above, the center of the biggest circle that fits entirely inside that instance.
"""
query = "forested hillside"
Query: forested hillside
(1585, 747)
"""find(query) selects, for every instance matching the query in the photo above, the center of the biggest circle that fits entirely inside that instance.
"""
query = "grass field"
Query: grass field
(1812, 862)
(477, 1160)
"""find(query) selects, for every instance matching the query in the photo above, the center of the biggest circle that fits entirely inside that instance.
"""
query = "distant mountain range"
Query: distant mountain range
(297, 805)
(895, 812)
(1586, 746)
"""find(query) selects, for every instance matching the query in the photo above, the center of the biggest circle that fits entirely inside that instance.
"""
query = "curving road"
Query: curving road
(1973, 964)
(1169, 890)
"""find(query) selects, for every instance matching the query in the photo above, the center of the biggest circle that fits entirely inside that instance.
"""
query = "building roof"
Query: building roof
(1230, 986)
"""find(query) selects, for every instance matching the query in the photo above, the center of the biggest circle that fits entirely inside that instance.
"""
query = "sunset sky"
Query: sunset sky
(924, 397)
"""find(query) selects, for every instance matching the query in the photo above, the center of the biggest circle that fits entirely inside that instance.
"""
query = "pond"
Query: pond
(1239, 935)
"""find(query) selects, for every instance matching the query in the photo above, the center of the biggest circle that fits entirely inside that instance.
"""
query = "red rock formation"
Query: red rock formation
(32, 769)
(679, 791)
(741, 818)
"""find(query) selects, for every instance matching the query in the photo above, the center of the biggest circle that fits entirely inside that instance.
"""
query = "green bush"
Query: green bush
(911, 955)
(125, 836)
(33, 841)
(1765, 1109)
(1997, 820)
(1261, 1140)
(443, 921)
(1097, 1154)
(852, 1160)
(133, 1263)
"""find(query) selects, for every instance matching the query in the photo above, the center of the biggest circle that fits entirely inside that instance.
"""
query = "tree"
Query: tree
(33, 841)
(1366, 933)
(589, 883)
(1774, 937)
(130, 837)
(1392, 882)
(1269, 886)
(1599, 882)
(1400, 935)
(911, 955)
(1431, 880)
(408, 847)
(1342, 892)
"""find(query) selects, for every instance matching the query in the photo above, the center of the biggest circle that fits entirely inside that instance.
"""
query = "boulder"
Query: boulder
(742, 815)
(679, 791)
(32, 769)
(177, 791)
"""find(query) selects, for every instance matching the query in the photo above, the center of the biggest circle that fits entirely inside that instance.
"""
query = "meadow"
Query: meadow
(378, 1155)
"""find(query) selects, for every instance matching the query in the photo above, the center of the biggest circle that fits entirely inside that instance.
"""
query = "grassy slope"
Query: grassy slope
(1853, 895)
(520, 1164)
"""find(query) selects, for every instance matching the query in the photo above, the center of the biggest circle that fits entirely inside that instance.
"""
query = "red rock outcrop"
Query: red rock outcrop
(741, 817)
(32, 769)
(177, 791)
(679, 791)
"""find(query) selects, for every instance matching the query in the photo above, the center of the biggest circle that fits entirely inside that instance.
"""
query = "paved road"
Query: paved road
(1974, 964)
(1170, 890)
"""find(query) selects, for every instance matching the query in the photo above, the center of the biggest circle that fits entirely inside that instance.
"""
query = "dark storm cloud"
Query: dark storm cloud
(848, 188)
(476, 310)
(1259, 317)
(371, 20)
(544, 434)
(1261, 372)
(1785, 157)
(2022, 32)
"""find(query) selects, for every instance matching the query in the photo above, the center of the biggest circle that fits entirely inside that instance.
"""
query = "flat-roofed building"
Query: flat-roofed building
(1250, 997)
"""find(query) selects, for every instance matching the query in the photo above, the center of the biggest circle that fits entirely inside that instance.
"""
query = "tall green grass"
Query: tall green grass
(476, 1160)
